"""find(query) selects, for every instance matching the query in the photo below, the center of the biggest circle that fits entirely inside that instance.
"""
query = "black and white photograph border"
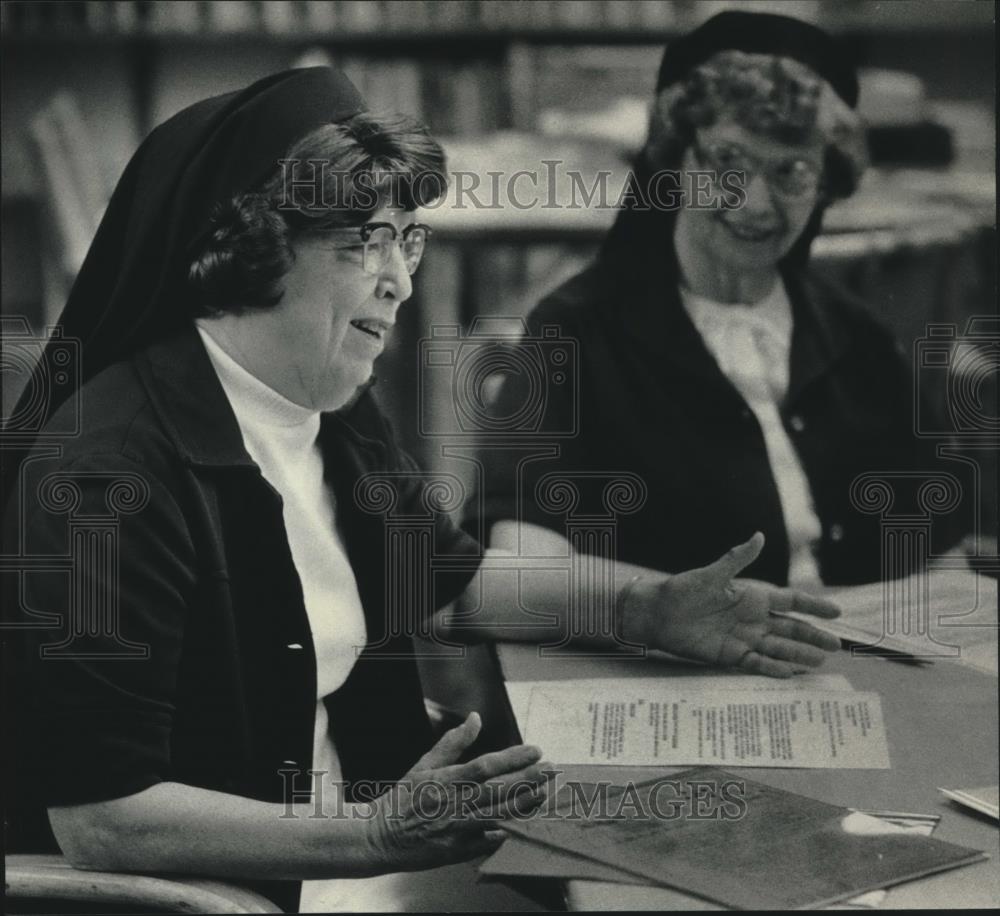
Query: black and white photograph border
(499, 455)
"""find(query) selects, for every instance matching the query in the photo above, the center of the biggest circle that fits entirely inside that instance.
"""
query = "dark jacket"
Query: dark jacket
(209, 678)
(647, 397)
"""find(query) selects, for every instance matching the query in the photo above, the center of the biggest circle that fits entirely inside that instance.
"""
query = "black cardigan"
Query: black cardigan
(222, 692)
(647, 397)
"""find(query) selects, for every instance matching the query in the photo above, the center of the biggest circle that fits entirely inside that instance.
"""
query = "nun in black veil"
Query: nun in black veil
(225, 620)
(172, 718)
(746, 390)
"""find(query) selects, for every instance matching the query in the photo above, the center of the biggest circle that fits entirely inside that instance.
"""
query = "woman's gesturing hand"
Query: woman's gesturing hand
(441, 811)
(708, 615)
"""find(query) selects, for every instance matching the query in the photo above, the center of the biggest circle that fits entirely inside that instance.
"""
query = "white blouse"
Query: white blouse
(751, 344)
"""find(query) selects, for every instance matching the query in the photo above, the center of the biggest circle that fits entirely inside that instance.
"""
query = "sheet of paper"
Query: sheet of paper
(951, 614)
(667, 724)
(519, 692)
(742, 843)
(985, 800)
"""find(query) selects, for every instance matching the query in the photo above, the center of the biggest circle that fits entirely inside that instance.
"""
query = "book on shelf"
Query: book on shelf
(472, 95)
(621, 16)
(177, 18)
(125, 16)
(461, 97)
(98, 17)
(450, 17)
(388, 85)
(578, 14)
(654, 15)
(279, 17)
(406, 16)
(359, 16)
(394, 85)
(321, 17)
(233, 16)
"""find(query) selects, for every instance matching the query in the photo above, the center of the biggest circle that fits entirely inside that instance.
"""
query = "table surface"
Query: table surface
(941, 723)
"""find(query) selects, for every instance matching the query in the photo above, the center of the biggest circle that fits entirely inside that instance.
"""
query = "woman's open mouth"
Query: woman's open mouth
(373, 327)
(750, 233)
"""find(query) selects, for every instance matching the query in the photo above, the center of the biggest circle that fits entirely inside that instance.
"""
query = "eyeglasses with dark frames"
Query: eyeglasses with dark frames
(375, 241)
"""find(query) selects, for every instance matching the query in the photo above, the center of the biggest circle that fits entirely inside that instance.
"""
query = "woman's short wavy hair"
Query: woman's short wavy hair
(332, 178)
(776, 97)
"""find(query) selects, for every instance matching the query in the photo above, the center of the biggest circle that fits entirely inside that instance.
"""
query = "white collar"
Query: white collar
(252, 400)
(772, 314)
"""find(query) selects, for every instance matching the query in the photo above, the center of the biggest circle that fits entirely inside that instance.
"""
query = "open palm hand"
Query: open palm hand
(708, 615)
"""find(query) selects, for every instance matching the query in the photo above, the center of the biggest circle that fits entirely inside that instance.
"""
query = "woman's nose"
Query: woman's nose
(394, 279)
(760, 198)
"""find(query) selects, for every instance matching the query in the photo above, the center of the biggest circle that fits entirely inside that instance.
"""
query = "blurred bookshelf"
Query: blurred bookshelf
(416, 20)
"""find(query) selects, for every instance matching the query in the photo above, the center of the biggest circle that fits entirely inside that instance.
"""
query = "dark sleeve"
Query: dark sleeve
(116, 579)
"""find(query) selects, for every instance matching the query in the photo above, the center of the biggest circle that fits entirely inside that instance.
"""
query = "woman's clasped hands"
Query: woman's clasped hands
(443, 811)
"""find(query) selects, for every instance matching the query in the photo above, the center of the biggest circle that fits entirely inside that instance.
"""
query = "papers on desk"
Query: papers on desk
(740, 843)
(985, 800)
(959, 611)
(746, 721)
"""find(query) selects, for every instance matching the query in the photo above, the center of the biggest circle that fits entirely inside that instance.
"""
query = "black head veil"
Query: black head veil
(130, 290)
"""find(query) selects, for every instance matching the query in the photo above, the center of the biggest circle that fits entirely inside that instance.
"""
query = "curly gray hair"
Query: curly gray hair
(777, 97)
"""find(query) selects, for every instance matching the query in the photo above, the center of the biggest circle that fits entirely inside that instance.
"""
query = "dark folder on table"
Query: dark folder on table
(743, 844)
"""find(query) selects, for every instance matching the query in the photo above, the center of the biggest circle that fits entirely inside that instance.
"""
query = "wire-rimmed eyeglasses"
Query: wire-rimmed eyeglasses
(791, 178)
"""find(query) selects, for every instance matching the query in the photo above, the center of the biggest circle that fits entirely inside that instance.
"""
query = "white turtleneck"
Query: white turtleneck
(281, 437)
(751, 344)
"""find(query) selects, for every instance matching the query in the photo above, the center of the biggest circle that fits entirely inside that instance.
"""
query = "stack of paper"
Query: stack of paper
(985, 800)
(945, 614)
(720, 837)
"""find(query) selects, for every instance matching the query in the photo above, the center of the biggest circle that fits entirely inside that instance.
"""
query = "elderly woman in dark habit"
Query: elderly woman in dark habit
(746, 394)
(252, 620)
